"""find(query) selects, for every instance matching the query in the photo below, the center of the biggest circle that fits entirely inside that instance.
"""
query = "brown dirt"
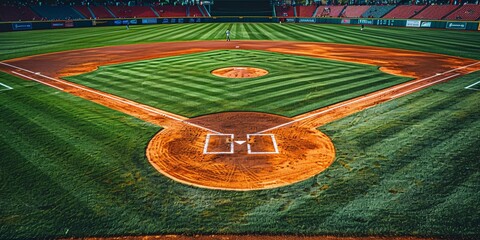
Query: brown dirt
(177, 151)
(239, 72)
(263, 237)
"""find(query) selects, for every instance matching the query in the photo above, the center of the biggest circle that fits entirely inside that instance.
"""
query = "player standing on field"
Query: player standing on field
(228, 35)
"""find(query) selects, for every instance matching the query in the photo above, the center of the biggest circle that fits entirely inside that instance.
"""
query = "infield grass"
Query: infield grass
(183, 84)
(405, 167)
(408, 167)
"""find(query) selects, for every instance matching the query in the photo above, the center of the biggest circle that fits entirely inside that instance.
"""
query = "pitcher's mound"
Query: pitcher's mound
(239, 72)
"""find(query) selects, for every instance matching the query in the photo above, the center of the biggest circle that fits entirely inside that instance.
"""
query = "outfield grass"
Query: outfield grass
(70, 167)
(457, 43)
(190, 90)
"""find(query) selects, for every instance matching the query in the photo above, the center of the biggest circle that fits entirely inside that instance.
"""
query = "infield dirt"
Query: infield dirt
(178, 150)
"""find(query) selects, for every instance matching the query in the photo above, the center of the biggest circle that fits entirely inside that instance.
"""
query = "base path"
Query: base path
(241, 150)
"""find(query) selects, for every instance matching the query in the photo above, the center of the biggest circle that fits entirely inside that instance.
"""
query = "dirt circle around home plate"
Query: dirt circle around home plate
(239, 156)
(239, 72)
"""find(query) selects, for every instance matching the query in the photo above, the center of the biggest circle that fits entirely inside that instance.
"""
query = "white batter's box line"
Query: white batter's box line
(207, 140)
(470, 87)
(274, 142)
(5, 87)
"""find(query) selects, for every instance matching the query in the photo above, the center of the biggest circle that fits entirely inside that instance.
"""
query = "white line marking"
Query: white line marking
(470, 86)
(423, 86)
(36, 80)
(207, 141)
(152, 110)
(274, 142)
(371, 96)
(6, 86)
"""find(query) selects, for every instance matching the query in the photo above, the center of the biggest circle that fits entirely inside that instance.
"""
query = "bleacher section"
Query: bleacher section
(132, 12)
(17, 14)
(171, 11)
(57, 12)
(306, 11)
(404, 11)
(84, 11)
(330, 11)
(242, 8)
(284, 11)
(468, 12)
(101, 12)
(194, 11)
(435, 12)
(354, 11)
(377, 11)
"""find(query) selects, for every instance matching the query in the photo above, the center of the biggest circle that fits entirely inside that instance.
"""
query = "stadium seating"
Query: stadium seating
(284, 11)
(330, 11)
(377, 11)
(435, 12)
(468, 12)
(57, 12)
(17, 14)
(306, 11)
(354, 11)
(84, 11)
(101, 12)
(405, 11)
(132, 12)
(194, 11)
(171, 11)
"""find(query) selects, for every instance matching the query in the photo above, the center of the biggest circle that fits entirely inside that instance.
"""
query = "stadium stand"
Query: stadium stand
(467, 12)
(435, 12)
(306, 11)
(194, 11)
(284, 11)
(57, 12)
(171, 11)
(84, 11)
(405, 11)
(132, 12)
(354, 11)
(330, 11)
(242, 8)
(378, 11)
(10, 13)
(101, 12)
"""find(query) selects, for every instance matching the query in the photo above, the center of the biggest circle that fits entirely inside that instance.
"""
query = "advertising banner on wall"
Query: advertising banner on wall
(22, 26)
(456, 25)
(413, 23)
(69, 24)
(149, 21)
(306, 20)
(345, 21)
(426, 24)
(387, 22)
(58, 24)
(365, 21)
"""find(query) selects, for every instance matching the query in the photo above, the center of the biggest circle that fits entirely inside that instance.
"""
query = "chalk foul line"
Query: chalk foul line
(115, 98)
(379, 93)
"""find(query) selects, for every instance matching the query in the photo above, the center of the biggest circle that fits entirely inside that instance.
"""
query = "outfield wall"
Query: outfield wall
(437, 24)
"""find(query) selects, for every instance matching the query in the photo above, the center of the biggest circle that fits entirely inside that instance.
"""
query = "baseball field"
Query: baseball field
(307, 129)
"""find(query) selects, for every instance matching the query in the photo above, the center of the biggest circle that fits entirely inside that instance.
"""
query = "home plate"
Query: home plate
(240, 142)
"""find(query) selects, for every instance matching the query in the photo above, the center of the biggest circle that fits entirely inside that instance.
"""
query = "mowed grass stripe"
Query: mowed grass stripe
(446, 42)
(191, 90)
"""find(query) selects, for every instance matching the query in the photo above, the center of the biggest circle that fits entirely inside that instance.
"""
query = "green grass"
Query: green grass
(191, 90)
(457, 43)
(69, 167)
